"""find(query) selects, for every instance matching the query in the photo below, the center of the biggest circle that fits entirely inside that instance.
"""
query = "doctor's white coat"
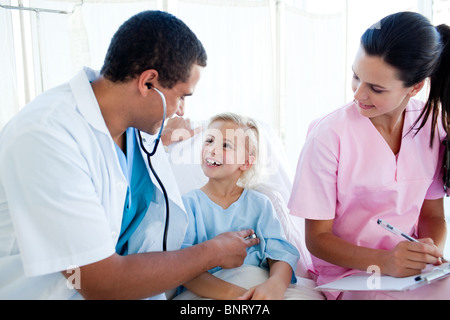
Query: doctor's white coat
(62, 194)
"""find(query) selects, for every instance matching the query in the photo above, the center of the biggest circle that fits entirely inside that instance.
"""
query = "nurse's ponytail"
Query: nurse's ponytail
(438, 102)
(439, 95)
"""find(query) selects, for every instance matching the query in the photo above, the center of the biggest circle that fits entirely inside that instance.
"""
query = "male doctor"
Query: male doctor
(80, 214)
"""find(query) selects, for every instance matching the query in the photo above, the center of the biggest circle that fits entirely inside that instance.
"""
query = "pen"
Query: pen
(394, 230)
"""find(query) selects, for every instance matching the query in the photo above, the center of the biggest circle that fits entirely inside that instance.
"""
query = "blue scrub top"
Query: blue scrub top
(139, 192)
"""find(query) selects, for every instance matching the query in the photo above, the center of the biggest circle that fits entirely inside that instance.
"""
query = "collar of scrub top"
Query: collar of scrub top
(126, 158)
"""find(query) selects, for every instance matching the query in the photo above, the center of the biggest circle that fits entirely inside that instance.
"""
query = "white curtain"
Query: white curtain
(240, 76)
(315, 71)
(68, 42)
(8, 77)
(55, 46)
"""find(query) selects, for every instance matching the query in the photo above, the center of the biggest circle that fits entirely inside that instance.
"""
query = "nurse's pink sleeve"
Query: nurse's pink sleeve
(314, 190)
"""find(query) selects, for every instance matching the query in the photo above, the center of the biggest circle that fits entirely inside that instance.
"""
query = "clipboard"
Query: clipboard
(364, 281)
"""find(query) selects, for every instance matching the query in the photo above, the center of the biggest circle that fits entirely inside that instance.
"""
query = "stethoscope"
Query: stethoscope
(151, 154)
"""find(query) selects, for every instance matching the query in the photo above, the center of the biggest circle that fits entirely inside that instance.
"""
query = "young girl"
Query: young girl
(376, 159)
(229, 160)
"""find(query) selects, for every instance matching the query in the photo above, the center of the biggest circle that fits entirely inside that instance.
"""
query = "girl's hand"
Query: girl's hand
(410, 258)
(271, 289)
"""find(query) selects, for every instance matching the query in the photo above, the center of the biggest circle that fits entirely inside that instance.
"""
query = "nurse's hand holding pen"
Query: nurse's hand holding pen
(409, 258)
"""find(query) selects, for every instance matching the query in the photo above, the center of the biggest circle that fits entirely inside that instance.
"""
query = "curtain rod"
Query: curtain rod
(39, 10)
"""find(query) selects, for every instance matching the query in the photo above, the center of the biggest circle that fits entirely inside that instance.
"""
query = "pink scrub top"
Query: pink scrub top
(348, 172)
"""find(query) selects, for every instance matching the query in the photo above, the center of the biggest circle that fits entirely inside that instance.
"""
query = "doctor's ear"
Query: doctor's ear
(146, 79)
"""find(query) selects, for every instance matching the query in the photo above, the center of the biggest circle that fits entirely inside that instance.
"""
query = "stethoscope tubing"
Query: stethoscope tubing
(151, 154)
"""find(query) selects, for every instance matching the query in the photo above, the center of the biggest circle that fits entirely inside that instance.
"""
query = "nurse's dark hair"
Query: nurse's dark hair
(153, 40)
(418, 50)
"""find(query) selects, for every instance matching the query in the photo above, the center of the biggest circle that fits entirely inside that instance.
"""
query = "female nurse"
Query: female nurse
(380, 157)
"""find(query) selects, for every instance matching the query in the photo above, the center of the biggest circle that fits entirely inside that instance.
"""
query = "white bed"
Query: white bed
(276, 183)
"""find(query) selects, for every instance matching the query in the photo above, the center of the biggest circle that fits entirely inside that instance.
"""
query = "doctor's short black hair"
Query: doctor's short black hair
(153, 40)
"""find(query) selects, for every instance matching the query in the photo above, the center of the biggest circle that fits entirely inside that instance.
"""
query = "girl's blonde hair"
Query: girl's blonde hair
(249, 178)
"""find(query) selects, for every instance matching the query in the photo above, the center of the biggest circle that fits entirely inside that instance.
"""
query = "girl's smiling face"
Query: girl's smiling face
(224, 152)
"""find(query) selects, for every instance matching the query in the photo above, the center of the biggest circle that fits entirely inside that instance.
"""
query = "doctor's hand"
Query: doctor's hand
(232, 248)
(178, 129)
